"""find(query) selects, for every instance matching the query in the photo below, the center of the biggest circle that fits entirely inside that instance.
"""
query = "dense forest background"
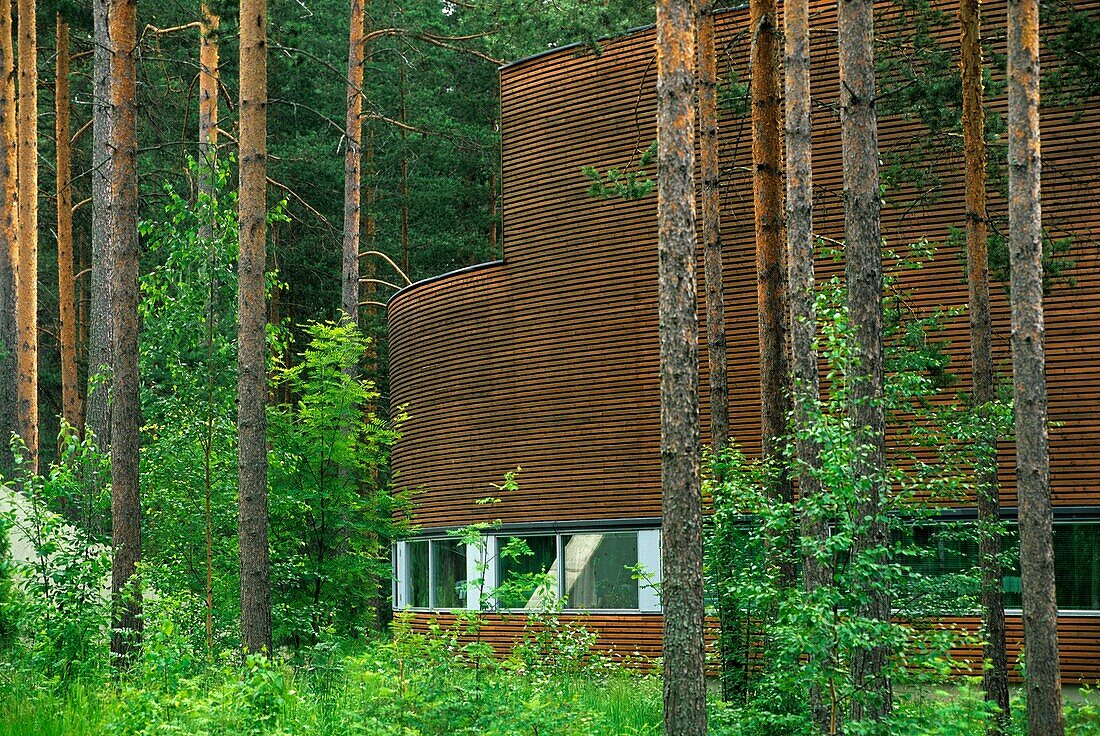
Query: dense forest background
(430, 139)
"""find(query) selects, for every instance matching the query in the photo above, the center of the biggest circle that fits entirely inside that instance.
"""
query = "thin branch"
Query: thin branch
(294, 195)
(378, 281)
(81, 131)
(388, 260)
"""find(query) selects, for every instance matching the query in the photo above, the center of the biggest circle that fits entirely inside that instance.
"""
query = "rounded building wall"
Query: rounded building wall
(548, 360)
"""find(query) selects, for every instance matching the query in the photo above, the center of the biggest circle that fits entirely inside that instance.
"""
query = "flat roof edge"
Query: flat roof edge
(440, 277)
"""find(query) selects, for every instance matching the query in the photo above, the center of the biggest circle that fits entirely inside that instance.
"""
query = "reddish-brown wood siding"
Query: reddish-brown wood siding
(549, 360)
(635, 639)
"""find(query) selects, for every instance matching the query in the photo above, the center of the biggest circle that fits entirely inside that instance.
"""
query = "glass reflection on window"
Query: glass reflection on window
(598, 570)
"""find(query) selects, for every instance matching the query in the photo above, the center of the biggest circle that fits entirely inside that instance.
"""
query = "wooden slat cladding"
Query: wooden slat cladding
(549, 360)
(635, 639)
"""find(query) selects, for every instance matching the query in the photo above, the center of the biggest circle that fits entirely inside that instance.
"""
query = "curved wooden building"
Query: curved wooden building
(548, 359)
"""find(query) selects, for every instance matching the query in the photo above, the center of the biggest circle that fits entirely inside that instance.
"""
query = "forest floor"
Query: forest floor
(403, 688)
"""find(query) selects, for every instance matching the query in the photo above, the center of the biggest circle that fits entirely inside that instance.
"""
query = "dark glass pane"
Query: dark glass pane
(417, 553)
(939, 564)
(449, 573)
(528, 571)
(596, 570)
(1077, 566)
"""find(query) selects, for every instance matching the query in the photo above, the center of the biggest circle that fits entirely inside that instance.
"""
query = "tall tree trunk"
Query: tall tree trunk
(209, 77)
(126, 394)
(26, 280)
(252, 349)
(995, 671)
(816, 573)
(682, 569)
(208, 151)
(771, 297)
(493, 238)
(353, 159)
(731, 624)
(863, 275)
(66, 287)
(1025, 239)
(404, 170)
(711, 225)
(97, 414)
(9, 237)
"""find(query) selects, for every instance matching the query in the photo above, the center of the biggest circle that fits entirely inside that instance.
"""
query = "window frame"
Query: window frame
(648, 544)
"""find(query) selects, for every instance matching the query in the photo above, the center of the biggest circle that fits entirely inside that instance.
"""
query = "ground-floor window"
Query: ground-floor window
(619, 569)
(943, 551)
(581, 569)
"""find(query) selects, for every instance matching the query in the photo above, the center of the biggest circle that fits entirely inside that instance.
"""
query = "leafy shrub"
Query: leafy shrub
(331, 506)
(64, 610)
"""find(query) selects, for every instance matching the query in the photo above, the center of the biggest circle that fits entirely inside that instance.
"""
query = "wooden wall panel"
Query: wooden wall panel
(635, 639)
(549, 360)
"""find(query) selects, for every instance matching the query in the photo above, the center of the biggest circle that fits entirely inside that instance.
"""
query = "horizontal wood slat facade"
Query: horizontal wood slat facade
(635, 639)
(549, 360)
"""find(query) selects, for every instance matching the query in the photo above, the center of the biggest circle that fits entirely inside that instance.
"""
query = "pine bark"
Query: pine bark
(208, 152)
(995, 671)
(97, 413)
(863, 276)
(711, 226)
(251, 340)
(353, 160)
(771, 296)
(9, 237)
(126, 393)
(405, 246)
(682, 573)
(805, 389)
(1044, 695)
(26, 279)
(731, 643)
(71, 408)
(209, 79)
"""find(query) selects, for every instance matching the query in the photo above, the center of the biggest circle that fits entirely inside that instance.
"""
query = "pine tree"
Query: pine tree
(353, 159)
(863, 275)
(801, 295)
(126, 382)
(995, 672)
(9, 236)
(1025, 236)
(767, 155)
(682, 543)
(97, 412)
(26, 280)
(66, 287)
(251, 341)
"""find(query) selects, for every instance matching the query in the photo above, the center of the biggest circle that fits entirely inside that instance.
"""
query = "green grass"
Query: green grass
(406, 687)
